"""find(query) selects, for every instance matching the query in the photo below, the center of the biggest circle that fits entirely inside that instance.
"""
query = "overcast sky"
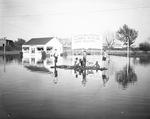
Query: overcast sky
(64, 18)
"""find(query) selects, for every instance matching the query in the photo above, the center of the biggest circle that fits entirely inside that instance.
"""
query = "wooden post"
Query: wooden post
(128, 56)
(4, 63)
(4, 48)
(4, 45)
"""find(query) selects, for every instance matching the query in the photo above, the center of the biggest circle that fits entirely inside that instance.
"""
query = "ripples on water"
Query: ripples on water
(30, 89)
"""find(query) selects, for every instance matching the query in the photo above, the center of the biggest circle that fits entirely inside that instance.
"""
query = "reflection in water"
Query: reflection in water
(84, 81)
(7, 59)
(109, 72)
(4, 60)
(104, 74)
(142, 60)
(41, 65)
(105, 77)
(37, 64)
(38, 69)
(126, 76)
(28, 95)
(10, 58)
(55, 76)
(82, 72)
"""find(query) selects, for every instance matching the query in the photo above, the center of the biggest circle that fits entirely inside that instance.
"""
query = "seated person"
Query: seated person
(80, 62)
(76, 63)
(96, 65)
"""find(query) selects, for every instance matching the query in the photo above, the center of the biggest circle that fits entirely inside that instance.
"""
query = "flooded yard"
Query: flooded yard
(30, 89)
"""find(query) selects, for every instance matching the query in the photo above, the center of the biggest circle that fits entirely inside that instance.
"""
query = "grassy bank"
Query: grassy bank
(10, 52)
(112, 52)
(132, 54)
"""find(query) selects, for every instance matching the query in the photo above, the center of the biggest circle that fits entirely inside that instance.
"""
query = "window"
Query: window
(32, 60)
(40, 48)
(26, 49)
(32, 50)
(49, 48)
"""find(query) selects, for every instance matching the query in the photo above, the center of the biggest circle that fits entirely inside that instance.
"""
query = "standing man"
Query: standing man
(55, 56)
(84, 58)
(104, 55)
(104, 58)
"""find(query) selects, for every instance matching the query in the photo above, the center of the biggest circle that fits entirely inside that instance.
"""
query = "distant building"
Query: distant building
(119, 45)
(66, 42)
(36, 45)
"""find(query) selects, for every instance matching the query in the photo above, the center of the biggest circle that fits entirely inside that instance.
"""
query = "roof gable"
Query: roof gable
(38, 41)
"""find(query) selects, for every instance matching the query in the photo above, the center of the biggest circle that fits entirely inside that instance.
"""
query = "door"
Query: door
(33, 50)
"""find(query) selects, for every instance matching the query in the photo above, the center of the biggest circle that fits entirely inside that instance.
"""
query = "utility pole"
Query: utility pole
(128, 55)
(4, 44)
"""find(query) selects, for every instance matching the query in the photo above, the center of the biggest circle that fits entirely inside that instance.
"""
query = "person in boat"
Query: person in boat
(76, 63)
(80, 62)
(96, 65)
(84, 58)
(55, 56)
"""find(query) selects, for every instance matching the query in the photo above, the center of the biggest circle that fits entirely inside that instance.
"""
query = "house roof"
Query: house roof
(38, 41)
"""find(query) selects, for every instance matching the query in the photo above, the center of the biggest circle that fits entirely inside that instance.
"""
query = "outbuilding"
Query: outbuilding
(37, 45)
(5, 43)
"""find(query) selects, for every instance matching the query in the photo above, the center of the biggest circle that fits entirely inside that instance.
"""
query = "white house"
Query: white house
(36, 45)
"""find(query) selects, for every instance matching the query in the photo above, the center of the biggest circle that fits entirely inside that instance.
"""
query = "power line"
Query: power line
(96, 11)
(28, 4)
(24, 4)
(27, 31)
(18, 27)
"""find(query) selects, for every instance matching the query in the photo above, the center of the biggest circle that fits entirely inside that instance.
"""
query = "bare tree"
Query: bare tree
(109, 37)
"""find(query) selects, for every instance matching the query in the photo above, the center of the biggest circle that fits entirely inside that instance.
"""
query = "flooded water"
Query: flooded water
(30, 89)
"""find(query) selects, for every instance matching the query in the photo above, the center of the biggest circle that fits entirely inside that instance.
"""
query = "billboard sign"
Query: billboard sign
(86, 41)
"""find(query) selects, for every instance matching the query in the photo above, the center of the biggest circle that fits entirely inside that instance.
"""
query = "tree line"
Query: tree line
(16, 45)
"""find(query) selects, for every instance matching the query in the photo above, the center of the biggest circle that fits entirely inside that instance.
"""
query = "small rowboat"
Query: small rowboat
(78, 67)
